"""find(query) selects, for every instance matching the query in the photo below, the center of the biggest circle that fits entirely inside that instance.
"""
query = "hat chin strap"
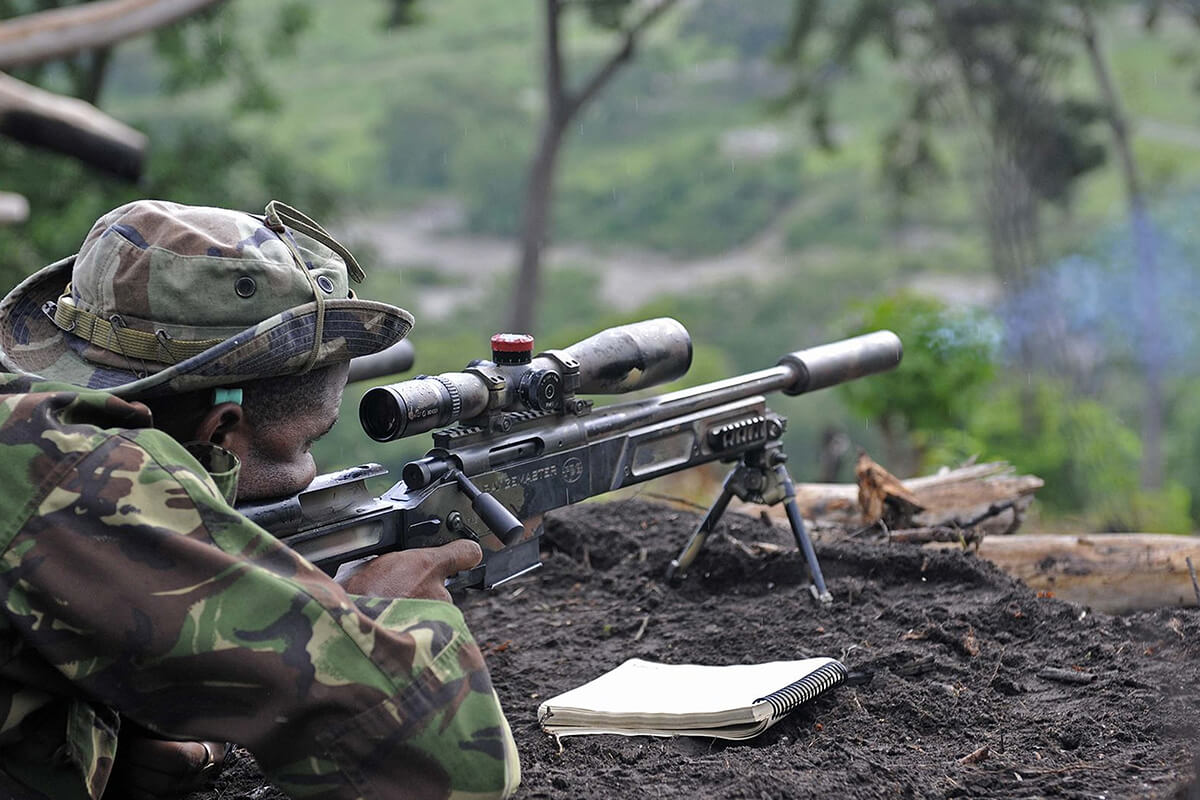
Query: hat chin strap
(279, 216)
(112, 334)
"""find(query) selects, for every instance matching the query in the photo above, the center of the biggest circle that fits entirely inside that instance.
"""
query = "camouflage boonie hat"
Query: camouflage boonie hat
(164, 298)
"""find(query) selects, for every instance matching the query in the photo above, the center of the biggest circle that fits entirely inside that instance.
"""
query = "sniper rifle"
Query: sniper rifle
(513, 439)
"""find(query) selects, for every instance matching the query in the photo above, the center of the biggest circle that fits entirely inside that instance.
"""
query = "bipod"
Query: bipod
(760, 477)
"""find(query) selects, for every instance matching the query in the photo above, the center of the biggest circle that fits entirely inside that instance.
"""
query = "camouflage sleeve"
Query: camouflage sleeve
(137, 581)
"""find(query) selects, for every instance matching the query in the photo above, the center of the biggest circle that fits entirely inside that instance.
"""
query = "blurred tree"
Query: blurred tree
(949, 360)
(401, 13)
(81, 38)
(1005, 60)
(994, 62)
(1147, 301)
(629, 20)
(205, 47)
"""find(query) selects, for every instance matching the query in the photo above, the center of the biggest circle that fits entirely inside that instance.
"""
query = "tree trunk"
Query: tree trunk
(562, 105)
(1147, 300)
(539, 192)
(90, 83)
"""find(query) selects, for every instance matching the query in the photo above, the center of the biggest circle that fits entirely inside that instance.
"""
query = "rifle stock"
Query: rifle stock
(493, 476)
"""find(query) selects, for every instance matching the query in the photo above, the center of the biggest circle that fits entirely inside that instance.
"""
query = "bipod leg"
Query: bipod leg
(801, 533)
(692, 549)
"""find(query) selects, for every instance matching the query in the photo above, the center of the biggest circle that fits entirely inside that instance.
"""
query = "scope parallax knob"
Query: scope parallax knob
(512, 348)
(541, 389)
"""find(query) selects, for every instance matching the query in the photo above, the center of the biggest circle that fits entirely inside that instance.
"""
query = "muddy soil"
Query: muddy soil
(955, 648)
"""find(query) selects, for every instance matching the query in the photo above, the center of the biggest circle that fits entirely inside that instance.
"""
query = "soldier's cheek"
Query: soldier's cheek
(275, 471)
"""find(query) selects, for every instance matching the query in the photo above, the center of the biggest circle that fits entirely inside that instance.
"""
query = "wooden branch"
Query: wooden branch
(69, 126)
(556, 94)
(962, 536)
(605, 71)
(986, 495)
(61, 32)
(1195, 583)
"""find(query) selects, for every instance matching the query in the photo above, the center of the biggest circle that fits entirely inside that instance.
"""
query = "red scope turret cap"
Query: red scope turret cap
(512, 348)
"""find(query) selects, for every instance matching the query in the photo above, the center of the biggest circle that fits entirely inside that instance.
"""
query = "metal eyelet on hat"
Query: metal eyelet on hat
(325, 283)
(245, 286)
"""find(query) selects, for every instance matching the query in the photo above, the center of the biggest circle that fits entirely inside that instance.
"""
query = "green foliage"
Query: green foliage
(949, 358)
(1002, 55)
(1182, 440)
(1087, 456)
(690, 200)
(726, 24)
(200, 162)
(401, 13)
(216, 45)
(495, 168)
(64, 198)
(609, 14)
(418, 143)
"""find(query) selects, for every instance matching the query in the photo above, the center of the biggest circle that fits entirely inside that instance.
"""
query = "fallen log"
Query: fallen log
(940, 533)
(1111, 572)
(70, 126)
(991, 497)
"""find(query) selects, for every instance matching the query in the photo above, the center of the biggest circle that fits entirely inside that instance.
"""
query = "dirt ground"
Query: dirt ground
(954, 645)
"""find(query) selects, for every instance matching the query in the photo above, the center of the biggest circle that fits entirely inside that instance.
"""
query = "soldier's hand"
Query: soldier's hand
(420, 572)
(147, 767)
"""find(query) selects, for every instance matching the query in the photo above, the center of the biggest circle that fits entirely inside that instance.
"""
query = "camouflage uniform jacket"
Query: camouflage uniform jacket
(132, 588)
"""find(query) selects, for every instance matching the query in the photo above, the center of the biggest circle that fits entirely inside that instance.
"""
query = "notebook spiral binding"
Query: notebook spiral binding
(822, 679)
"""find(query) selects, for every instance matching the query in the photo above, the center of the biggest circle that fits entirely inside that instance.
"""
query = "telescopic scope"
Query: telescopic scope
(617, 360)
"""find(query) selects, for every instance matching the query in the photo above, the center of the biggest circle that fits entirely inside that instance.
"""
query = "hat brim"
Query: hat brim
(31, 344)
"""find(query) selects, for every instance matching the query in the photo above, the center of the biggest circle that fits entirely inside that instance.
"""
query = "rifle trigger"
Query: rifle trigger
(454, 522)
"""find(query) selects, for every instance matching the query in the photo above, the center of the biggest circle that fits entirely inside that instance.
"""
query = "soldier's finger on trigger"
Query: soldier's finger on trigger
(464, 554)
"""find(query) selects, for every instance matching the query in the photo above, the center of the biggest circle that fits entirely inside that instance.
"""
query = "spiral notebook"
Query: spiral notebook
(642, 698)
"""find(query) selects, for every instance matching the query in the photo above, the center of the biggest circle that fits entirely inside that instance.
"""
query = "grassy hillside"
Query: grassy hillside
(683, 154)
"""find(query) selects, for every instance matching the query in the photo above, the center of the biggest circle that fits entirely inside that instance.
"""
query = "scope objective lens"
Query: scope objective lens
(381, 413)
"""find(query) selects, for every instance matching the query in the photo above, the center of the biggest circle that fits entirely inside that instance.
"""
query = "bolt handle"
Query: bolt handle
(498, 519)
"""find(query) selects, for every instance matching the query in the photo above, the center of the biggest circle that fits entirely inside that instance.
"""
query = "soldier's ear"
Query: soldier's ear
(224, 424)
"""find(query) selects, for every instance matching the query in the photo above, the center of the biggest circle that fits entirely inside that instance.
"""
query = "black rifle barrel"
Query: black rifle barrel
(797, 373)
(391, 361)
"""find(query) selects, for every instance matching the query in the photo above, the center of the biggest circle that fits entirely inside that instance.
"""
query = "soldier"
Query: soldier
(187, 356)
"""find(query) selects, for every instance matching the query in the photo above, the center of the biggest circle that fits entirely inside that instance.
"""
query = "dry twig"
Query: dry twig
(1065, 675)
(975, 756)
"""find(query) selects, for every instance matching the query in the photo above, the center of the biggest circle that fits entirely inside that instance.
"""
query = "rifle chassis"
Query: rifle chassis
(525, 444)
